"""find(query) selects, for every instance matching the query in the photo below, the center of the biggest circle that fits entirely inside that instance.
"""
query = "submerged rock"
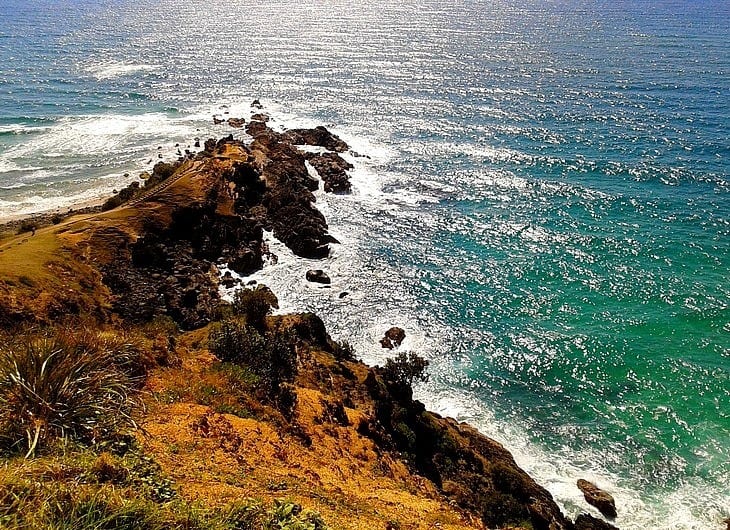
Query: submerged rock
(597, 497)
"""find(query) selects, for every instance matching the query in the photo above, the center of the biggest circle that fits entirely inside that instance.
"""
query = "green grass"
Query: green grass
(79, 488)
(61, 384)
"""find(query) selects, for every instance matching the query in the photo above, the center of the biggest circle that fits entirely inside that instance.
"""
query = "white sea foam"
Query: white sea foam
(21, 129)
(112, 70)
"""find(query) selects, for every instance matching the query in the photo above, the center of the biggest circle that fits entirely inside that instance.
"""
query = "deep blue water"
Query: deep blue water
(545, 208)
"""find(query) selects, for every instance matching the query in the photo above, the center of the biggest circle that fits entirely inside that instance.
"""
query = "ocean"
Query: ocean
(542, 199)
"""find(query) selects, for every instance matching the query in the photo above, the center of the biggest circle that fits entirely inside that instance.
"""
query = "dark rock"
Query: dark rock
(473, 471)
(343, 294)
(393, 338)
(597, 497)
(257, 104)
(256, 128)
(246, 261)
(588, 522)
(260, 117)
(209, 145)
(318, 276)
(318, 136)
(228, 281)
(332, 169)
(236, 122)
(217, 120)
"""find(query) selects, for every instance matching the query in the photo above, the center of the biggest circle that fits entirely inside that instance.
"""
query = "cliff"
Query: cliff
(237, 403)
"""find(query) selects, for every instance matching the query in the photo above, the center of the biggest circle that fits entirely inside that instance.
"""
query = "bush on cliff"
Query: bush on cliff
(64, 384)
(270, 357)
(254, 305)
(405, 369)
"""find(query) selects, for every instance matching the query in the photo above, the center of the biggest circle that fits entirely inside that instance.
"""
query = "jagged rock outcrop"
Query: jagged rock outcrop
(588, 522)
(393, 338)
(597, 497)
(474, 471)
(332, 169)
(319, 136)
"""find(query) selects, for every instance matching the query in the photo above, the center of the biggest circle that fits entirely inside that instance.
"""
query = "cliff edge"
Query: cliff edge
(234, 403)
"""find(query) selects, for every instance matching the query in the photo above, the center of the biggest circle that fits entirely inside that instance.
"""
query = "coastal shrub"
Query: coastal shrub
(270, 357)
(111, 203)
(254, 304)
(161, 172)
(405, 369)
(233, 340)
(27, 225)
(63, 384)
(164, 170)
(343, 351)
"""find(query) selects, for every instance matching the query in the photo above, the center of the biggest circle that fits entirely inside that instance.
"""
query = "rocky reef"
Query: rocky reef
(154, 254)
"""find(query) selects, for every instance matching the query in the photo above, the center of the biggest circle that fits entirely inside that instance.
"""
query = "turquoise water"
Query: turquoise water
(545, 209)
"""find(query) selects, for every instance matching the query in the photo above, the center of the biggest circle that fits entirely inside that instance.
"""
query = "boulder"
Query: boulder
(318, 136)
(246, 261)
(256, 104)
(256, 128)
(236, 122)
(228, 280)
(597, 497)
(588, 522)
(318, 276)
(393, 338)
(332, 169)
(260, 117)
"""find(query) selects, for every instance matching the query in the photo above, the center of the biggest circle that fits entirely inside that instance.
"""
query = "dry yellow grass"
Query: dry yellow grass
(216, 458)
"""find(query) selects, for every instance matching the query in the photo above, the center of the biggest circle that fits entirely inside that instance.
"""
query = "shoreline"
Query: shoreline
(11, 225)
(282, 176)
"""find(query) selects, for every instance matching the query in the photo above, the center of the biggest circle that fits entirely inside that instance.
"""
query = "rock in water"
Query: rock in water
(595, 496)
(393, 338)
(318, 276)
(588, 522)
(236, 122)
(332, 168)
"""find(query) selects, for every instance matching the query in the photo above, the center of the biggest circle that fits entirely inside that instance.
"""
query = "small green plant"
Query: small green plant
(287, 515)
(344, 351)
(62, 384)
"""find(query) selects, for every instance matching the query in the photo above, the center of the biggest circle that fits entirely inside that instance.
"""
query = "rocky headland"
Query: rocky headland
(240, 403)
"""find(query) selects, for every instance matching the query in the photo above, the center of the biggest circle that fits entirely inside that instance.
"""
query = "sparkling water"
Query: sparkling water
(543, 202)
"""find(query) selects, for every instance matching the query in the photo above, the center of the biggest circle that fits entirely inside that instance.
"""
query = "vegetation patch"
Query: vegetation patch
(58, 384)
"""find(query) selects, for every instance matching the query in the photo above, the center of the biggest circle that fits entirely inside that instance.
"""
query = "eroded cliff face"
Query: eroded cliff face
(353, 444)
